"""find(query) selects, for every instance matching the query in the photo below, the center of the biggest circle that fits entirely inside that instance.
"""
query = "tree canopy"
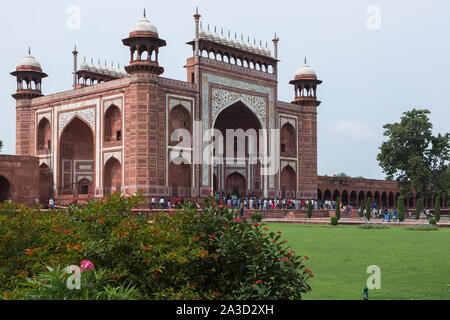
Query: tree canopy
(414, 156)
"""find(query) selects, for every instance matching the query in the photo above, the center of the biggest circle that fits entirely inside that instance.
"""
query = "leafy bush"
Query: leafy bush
(93, 285)
(432, 221)
(334, 220)
(423, 227)
(185, 254)
(256, 216)
(373, 226)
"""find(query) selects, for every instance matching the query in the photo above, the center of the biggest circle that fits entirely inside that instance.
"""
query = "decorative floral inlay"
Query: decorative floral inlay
(113, 154)
(86, 114)
(287, 120)
(116, 102)
(44, 115)
(224, 98)
(288, 163)
(243, 172)
(184, 103)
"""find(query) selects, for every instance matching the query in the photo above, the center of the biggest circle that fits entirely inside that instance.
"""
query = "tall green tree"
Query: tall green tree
(368, 208)
(419, 208)
(437, 209)
(401, 209)
(1, 145)
(414, 156)
(338, 208)
(309, 211)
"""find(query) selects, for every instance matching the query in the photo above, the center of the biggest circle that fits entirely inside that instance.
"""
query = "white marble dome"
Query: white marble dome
(84, 66)
(29, 61)
(305, 70)
(144, 25)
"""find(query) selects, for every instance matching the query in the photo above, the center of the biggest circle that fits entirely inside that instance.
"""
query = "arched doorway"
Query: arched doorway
(353, 200)
(76, 159)
(361, 197)
(319, 195)
(45, 183)
(4, 189)
(384, 200)
(391, 200)
(344, 197)
(241, 149)
(376, 199)
(336, 194)
(112, 176)
(288, 182)
(235, 184)
(327, 195)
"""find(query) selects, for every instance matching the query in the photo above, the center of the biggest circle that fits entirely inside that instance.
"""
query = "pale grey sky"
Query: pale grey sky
(371, 76)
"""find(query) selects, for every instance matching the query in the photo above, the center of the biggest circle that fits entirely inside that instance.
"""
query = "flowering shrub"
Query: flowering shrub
(93, 285)
(185, 254)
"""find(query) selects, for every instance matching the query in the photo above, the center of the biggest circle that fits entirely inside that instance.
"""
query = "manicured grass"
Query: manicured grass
(414, 264)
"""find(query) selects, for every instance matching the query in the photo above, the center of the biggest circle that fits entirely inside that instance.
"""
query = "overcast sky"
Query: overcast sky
(377, 58)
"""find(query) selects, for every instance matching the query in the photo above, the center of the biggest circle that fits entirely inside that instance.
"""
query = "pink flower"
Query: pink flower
(255, 224)
(86, 265)
(237, 220)
(283, 259)
(212, 236)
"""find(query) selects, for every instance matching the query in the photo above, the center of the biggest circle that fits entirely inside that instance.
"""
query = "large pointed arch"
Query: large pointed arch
(76, 158)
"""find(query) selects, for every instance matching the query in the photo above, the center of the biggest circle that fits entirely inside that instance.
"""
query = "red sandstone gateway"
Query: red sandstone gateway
(112, 131)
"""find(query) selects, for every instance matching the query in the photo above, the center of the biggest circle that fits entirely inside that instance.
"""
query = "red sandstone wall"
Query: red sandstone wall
(23, 175)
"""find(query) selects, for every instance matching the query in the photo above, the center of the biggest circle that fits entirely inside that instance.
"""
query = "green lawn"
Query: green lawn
(414, 264)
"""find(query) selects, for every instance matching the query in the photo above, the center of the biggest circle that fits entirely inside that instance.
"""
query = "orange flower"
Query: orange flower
(203, 254)
(28, 252)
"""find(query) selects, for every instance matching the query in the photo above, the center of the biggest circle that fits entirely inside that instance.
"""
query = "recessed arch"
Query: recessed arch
(235, 184)
(287, 141)
(76, 157)
(112, 176)
(43, 136)
(5, 189)
(112, 124)
(288, 182)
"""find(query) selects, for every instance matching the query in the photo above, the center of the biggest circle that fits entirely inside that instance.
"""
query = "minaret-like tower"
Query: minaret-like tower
(144, 44)
(145, 119)
(29, 77)
(305, 83)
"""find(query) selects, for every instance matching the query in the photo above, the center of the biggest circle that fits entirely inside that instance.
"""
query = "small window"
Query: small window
(48, 144)
(192, 77)
(118, 135)
(283, 147)
(84, 189)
